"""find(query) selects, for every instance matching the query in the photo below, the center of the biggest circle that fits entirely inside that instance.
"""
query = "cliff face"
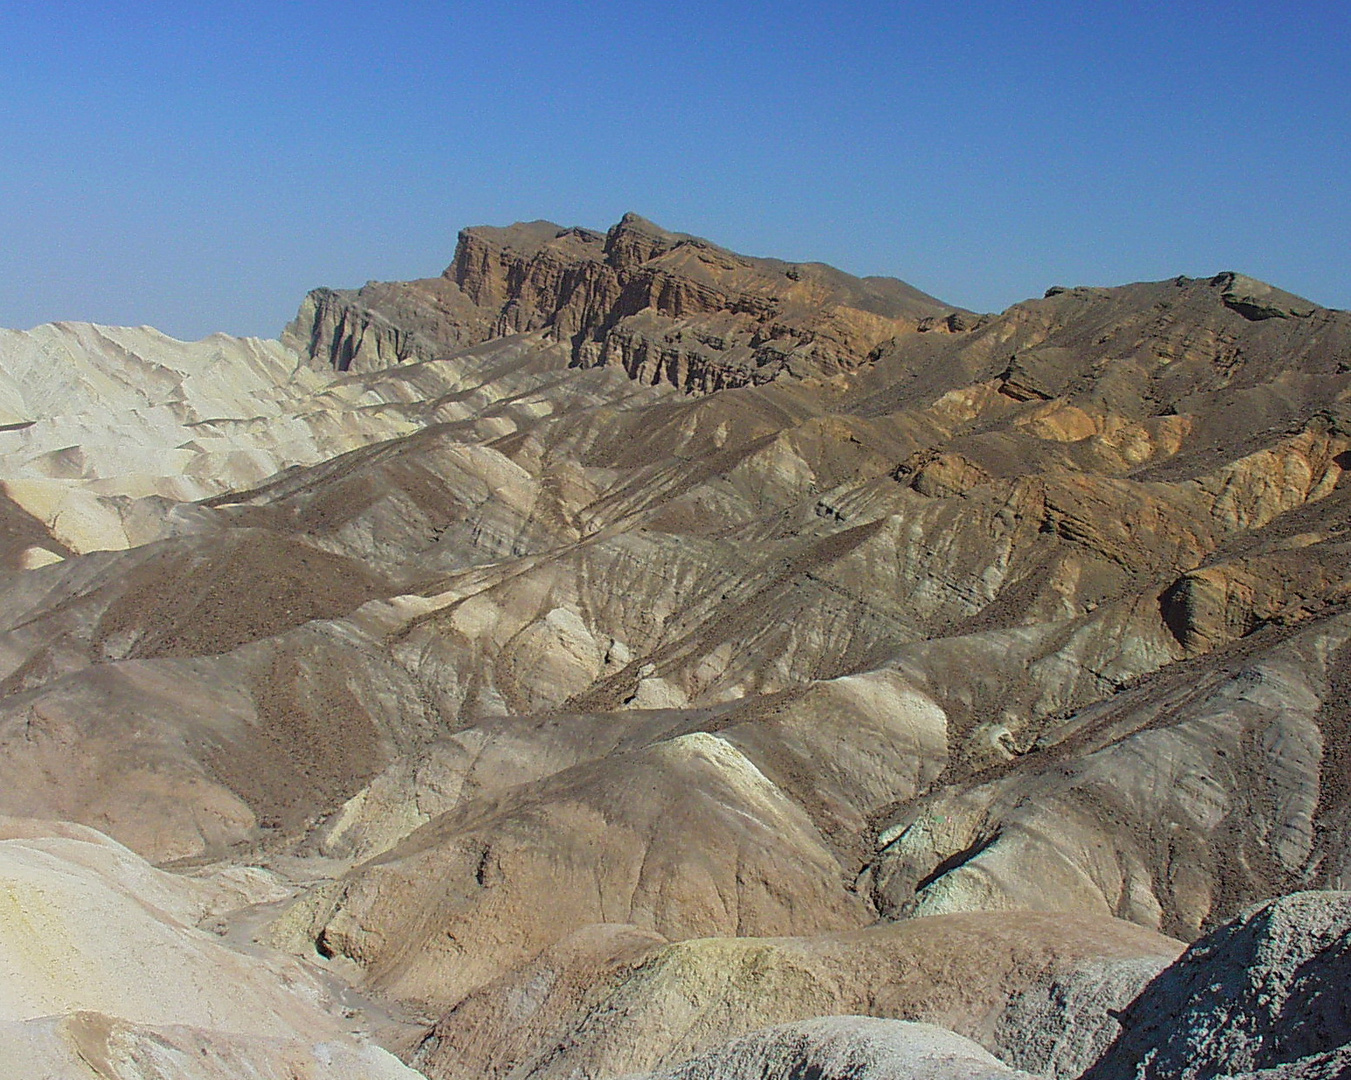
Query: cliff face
(385, 323)
(666, 307)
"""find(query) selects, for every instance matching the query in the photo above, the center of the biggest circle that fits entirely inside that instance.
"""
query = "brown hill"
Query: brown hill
(665, 306)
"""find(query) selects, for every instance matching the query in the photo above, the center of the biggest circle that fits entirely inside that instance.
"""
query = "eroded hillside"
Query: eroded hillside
(638, 638)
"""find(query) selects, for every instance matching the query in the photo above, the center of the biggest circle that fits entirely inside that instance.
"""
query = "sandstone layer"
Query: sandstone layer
(665, 306)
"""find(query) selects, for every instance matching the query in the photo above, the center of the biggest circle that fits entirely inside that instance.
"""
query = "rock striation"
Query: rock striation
(666, 307)
(106, 430)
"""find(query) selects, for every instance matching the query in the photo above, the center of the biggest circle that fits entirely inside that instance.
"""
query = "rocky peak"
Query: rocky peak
(635, 240)
(1256, 300)
(666, 306)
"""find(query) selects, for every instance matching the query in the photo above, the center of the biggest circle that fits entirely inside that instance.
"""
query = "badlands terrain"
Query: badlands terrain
(618, 656)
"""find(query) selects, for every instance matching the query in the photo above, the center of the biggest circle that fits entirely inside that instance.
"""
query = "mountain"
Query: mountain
(665, 306)
(618, 645)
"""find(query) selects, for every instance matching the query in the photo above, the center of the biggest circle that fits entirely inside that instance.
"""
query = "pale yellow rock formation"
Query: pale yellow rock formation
(108, 426)
(103, 973)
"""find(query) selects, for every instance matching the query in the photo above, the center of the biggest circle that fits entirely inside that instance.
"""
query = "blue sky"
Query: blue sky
(199, 167)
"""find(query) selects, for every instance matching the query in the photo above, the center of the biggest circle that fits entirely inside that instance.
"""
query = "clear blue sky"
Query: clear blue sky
(201, 166)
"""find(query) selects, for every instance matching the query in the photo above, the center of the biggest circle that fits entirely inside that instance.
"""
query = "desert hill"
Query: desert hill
(618, 645)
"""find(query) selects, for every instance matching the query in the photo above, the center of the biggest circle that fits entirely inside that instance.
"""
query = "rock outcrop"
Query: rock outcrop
(666, 307)
(1264, 995)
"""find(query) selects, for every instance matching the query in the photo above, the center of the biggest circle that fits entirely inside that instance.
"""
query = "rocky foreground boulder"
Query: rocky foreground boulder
(617, 645)
(1265, 995)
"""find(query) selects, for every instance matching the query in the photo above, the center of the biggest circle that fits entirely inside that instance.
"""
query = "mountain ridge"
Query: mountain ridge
(714, 318)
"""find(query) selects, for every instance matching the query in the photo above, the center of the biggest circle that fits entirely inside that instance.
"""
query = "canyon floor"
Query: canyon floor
(618, 656)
